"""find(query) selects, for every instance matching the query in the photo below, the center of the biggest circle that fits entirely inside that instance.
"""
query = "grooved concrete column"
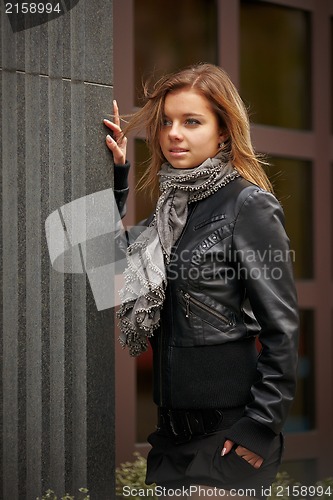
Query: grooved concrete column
(57, 357)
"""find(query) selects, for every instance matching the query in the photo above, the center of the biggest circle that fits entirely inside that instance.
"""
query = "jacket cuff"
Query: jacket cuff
(252, 435)
(121, 176)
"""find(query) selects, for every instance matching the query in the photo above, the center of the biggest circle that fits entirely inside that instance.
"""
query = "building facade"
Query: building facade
(279, 54)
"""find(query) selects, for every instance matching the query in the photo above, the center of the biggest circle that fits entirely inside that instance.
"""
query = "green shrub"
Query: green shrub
(282, 487)
(327, 485)
(50, 495)
(133, 474)
(285, 488)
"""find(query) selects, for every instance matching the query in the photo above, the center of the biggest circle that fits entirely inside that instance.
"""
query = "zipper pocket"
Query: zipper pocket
(189, 299)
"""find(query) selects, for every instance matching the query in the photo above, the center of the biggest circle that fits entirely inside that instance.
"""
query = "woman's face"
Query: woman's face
(190, 132)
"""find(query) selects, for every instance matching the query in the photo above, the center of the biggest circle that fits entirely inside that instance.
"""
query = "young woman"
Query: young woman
(209, 275)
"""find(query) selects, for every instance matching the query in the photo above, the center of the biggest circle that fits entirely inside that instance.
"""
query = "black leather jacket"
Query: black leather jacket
(229, 281)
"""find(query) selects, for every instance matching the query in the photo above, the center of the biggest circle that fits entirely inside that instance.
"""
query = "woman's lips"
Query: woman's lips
(178, 152)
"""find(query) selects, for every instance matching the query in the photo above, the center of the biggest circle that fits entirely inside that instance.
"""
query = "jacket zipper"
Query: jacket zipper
(189, 299)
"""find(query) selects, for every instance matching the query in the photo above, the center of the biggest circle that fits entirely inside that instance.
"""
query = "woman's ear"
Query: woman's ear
(223, 138)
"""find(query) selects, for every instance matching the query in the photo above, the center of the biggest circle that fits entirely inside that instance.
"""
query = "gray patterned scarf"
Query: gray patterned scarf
(145, 277)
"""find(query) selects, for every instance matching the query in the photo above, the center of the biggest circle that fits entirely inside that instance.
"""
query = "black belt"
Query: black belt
(181, 425)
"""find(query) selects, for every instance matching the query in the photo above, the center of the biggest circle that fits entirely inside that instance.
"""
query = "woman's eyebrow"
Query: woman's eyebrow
(193, 114)
(186, 115)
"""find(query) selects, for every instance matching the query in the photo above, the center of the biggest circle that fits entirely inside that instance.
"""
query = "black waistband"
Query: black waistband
(181, 425)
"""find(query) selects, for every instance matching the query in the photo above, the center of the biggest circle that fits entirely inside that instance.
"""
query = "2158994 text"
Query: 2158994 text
(33, 8)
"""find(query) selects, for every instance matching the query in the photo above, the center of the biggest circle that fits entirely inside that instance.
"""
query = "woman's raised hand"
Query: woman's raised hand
(117, 144)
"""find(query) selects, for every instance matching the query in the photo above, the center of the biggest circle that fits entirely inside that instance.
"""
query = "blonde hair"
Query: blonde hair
(214, 84)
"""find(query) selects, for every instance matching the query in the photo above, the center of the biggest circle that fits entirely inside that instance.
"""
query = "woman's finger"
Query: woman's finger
(119, 153)
(117, 133)
(113, 146)
(111, 143)
(116, 113)
(112, 126)
(227, 447)
(252, 458)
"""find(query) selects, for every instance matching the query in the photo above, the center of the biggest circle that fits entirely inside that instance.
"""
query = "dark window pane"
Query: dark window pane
(292, 182)
(275, 64)
(302, 415)
(171, 35)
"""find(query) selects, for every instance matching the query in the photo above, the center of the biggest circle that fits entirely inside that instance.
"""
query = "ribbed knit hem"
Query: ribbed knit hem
(121, 176)
(252, 435)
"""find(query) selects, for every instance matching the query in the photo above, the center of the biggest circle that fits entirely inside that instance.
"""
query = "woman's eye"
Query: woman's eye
(166, 122)
(192, 121)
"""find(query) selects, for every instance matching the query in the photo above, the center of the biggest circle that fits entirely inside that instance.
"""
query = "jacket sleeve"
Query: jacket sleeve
(124, 237)
(121, 187)
(265, 267)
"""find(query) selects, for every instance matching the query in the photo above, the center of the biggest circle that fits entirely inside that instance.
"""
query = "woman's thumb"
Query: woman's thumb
(227, 447)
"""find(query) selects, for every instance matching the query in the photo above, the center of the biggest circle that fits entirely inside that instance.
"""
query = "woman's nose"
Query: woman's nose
(175, 132)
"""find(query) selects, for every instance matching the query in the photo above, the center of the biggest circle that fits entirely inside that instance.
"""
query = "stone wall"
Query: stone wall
(57, 349)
